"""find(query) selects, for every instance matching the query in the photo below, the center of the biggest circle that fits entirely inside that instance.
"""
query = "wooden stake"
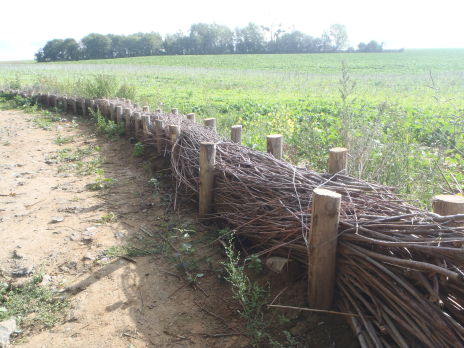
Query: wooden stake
(118, 113)
(73, 106)
(84, 108)
(206, 192)
(145, 119)
(210, 123)
(159, 135)
(275, 145)
(146, 108)
(174, 133)
(65, 105)
(448, 204)
(126, 119)
(159, 111)
(191, 116)
(175, 111)
(322, 247)
(236, 134)
(338, 160)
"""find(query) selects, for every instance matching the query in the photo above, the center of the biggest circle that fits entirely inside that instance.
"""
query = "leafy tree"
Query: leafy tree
(96, 46)
(70, 50)
(338, 36)
(372, 46)
(249, 39)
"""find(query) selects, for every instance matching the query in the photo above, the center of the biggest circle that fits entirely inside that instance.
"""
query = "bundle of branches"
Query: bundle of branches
(400, 269)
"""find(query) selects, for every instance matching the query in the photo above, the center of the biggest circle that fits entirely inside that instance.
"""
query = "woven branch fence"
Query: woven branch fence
(399, 269)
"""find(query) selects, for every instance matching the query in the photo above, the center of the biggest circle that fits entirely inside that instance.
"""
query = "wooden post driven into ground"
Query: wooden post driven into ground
(174, 133)
(159, 133)
(210, 123)
(322, 247)
(236, 134)
(191, 116)
(206, 192)
(175, 111)
(338, 160)
(448, 205)
(275, 145)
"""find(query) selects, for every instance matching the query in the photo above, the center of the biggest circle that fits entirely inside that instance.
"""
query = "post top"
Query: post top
(456, 199)
(327, 193)
(237, 126)
(274, 136)
(211, 118)
(338, 149)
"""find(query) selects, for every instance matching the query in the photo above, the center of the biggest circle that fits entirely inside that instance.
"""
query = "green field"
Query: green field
(402, 120)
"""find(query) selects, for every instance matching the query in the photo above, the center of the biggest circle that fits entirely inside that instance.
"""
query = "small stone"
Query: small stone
(17, 255)
(88, 257)
(57, 219)
(23, 272)
(276, 263)
(7, 327)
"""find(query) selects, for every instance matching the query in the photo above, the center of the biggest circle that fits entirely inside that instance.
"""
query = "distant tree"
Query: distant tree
(118, 47)
(372, 46)
(295, 42)
(176, 43)
(96, 46)
(338, 36)
(249, 39)
(53, 50)
(70, 50)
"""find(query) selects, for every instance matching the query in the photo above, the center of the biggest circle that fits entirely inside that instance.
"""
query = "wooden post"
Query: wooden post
(146, 108)
(338, 160)
(65, 105)
(159, 111)
(210, 123)
(275, 145)
(145, 122)
(175, 111)
(448, 204)
(53, 99)
(118, 113)
(113, 112)
(126, 119)
(74, 106)
(236, 134)
(322, 247)
(206, 192)
(159, 133)
(84, 108)
(137, 129)
(174, 133)
(191, 116)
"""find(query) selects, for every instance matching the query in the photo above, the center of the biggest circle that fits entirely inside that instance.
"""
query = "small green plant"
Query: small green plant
(250, 295)
(101, 183)
(107, 218)
(105, 126)
(254, 263)
(32, 297)
(138, 150)
(60, 140)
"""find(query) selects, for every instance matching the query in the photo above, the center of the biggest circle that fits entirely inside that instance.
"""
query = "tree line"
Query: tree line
(202, 38)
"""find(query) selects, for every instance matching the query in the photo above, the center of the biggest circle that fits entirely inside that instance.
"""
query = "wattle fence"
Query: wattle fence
(398, 271)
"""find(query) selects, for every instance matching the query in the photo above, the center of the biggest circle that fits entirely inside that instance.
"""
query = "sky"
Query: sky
(25, 26)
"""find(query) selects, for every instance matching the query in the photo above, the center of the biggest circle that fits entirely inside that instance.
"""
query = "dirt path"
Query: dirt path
(52, 222)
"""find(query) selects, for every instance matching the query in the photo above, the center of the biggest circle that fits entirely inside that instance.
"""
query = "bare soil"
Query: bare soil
(51, 221)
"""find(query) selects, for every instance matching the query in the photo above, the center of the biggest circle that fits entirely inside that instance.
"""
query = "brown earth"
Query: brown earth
(116, 302)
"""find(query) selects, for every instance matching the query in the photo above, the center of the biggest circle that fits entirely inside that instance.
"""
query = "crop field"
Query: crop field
(400, 114)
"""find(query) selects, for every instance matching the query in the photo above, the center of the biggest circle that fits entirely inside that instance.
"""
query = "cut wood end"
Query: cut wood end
(449, 199)
(339, 149)
(274, 136)
(327, 193)
(237, 126)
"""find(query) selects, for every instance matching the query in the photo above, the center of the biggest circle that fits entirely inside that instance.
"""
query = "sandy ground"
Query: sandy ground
(51, 222)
